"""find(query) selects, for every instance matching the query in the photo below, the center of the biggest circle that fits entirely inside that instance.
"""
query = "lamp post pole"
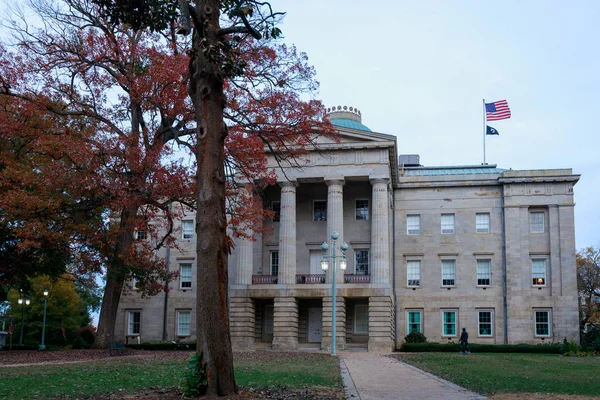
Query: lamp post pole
(42, 346)
(324, 265)
(23, 303)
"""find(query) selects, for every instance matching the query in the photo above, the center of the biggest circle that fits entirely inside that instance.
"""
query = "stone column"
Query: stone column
(287, 234)
(340, 325)
(380, 236)
(285, 324)
(243, 275)
(241, 321)
(335, 223)
(381, 329)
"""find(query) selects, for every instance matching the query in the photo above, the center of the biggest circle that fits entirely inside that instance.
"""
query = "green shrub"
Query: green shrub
(569, 347)
(79, 343)
(482, 348)
(415, 337)
(591, 339)
(194, 382)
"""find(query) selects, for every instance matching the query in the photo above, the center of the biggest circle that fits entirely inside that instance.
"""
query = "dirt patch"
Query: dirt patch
(244, 394)
(539, 396)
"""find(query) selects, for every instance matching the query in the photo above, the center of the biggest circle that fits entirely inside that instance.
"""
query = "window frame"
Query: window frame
(477, 261)
(408, 275)
(188, 235)
(314, 203)
(356, 215)
(356, 251)
(408, 323)
(548, 312)
(179, 313)
(141, 235)
(453, 260)
(276, 210)
(356, 307)
(272, 255)
(545, 276)
(491, 312)
(181, 281)
(408, 230)
(455, 312)
(488, 227)
(453, 223)
(131, 324)
(531, 222)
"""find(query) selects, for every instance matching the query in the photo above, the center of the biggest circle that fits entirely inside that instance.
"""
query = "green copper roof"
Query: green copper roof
(452, 170)
(349, 123)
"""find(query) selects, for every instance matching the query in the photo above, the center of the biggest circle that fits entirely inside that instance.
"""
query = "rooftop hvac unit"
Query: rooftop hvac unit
(410, 160)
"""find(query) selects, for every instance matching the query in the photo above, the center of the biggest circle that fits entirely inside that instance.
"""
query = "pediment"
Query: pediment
(356, 136)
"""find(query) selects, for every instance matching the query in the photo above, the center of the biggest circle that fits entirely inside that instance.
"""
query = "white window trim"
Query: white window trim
(455, 311)
(491, 323)
(453, 224)
(138, 233)
(545, 260)
(313, 209)
(179, 333)
(549, 311)
(531, 212)
(183, 229)
(191, 276)
(442, 272)
(477, 271)
(489, 223)
(408, 320)
(407, 230)
(407, 276)
(129, 326)
(356, 331)
(368, 209)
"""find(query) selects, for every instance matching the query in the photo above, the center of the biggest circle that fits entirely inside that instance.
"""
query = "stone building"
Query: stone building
(431, 249)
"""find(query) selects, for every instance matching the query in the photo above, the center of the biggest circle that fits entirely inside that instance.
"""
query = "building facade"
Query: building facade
(430, 249)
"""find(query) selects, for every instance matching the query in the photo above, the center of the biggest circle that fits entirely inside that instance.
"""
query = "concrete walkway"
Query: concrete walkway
(370, 376)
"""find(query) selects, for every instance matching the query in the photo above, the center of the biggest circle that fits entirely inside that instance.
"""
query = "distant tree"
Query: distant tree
(588, 285)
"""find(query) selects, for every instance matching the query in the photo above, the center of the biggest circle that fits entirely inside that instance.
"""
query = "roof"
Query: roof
(349, 123)
(452, 170)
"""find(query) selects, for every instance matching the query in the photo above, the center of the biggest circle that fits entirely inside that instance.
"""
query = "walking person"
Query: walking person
(464, 342)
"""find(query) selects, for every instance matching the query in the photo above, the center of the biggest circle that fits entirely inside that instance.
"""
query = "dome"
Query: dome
(346, 117)
(348, 123)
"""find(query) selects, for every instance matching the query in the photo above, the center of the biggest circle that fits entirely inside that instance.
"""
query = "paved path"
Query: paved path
(370, 376)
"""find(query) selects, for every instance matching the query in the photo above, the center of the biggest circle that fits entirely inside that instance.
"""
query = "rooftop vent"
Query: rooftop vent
(409, 160)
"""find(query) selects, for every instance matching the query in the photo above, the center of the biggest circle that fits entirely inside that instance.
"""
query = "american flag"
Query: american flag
(497, 110)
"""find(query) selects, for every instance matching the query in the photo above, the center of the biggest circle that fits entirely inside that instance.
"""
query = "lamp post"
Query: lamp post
(23, 302)
(325, 265)
(42, 346)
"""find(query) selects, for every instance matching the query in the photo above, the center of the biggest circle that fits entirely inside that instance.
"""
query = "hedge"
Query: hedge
(482, 348)
(163, 346)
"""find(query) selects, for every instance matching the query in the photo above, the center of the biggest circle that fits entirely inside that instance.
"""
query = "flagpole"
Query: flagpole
(483, 100)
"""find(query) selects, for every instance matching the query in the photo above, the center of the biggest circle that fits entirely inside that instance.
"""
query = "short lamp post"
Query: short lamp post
(42, 346)
(325, 266)
(23, 302)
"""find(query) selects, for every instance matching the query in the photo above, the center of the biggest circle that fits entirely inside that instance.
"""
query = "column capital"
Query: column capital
(335, 181)
(379, 180)
(288, 183)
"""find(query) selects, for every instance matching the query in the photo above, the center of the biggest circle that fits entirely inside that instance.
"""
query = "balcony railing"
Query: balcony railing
(310, 278)
(264, 279)
(357, 278)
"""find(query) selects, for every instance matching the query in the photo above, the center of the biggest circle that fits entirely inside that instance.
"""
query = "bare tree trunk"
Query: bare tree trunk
(115, 277)
(206, 92)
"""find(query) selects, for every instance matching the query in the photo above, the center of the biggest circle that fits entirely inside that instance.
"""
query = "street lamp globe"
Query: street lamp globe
(45, 292)
(27, 302)
(20, 301)
(343, 264)
(324, 265)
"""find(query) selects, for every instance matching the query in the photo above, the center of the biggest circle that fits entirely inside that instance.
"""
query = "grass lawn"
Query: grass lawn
(130, 375)
(513, 373)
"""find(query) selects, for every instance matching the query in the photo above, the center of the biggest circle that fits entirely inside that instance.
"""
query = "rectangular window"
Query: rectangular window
(448, 272)
(184, 320)
(362, 209)
(133, 323)
(485, 322)
(482, 222)
(361, 262)
(484, 272)
(542, 323)
(538, 272)
(413, 224)
(320, 210)
(276, 208)
(449, 323)
(185, 276)
(536, 222)
(269, 319)
(414, 321)
(361, 318)
(188, 228)
(141, 235)
(413, 273)
(275, 263)
(447, 223)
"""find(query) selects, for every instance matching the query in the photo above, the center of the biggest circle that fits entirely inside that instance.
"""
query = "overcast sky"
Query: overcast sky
(419, 70)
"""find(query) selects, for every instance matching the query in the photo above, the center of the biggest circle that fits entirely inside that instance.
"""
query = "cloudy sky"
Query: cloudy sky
(419, 70)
